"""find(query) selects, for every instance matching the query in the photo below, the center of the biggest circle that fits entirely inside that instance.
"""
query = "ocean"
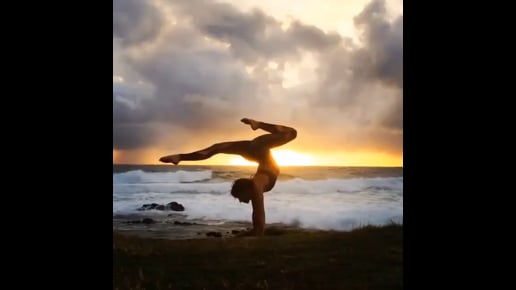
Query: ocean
(309, 197)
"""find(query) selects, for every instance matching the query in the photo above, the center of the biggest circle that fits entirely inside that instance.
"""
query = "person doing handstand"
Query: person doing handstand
(256, 150)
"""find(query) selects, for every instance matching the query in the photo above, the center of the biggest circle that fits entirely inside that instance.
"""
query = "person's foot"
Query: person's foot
(254, 124)
(171, 159)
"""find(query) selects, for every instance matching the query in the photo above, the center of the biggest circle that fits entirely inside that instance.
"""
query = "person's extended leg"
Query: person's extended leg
(279, 134)
(236, 147)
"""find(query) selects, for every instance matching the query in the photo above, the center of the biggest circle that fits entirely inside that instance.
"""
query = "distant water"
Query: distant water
(337, 198)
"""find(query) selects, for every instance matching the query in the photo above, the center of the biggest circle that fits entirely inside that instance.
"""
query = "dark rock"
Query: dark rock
(148, 206)
(184, 223)
(234, 232)
(175, 206)
(214, 234)
(170, 206)
(148, 221)
(144, 221)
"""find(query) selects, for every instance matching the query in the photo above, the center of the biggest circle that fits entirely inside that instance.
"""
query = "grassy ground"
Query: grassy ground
(366, 258)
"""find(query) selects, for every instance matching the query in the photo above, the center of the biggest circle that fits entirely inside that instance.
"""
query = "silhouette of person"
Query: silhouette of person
(257, 150)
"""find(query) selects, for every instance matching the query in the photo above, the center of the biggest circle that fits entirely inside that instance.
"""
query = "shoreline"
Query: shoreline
(177, 226)
(187, 229)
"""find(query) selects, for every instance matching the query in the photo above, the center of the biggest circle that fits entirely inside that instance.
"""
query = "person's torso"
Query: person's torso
(264, 159)
(266, 164)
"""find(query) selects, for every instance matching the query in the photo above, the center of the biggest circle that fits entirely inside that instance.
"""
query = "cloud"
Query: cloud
(383, 43)
(254, 35)
(136, 21)
(366, 80)
(194, 68)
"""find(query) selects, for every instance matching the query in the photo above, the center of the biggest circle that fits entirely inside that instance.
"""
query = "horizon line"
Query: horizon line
(248, 165)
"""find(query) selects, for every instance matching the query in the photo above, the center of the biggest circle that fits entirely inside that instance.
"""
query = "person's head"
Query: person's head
(243, 189)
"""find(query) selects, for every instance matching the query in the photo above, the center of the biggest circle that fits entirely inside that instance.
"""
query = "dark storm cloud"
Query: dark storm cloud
(195, 87)
(131, 136)
(202, 87)
(254, 35)
(384, 43)
(195, 76)
(136, 20)
(350, 74)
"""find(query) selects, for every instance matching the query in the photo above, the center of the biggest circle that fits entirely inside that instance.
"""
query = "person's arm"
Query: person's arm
(258, 213)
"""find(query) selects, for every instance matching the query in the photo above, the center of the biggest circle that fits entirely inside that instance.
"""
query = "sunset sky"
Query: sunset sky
(185, 73)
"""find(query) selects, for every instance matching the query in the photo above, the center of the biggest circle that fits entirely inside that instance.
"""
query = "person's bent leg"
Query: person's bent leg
(277, 129)
(280, 135)
(271, 128)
